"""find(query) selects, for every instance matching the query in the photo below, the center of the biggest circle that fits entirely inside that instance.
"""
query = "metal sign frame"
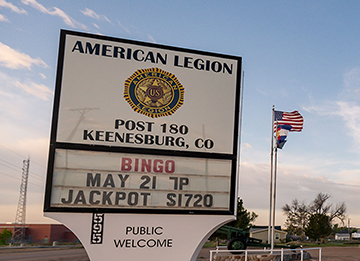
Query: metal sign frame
(55, 144)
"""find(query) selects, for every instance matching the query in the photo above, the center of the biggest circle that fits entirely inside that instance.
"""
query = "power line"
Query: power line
(2, 173)
(36, 175)
(9, 175)
(10, 167)
(12, 151)
(22, 156)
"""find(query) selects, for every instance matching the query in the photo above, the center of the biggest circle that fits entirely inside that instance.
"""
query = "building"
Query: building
(342, 236)
(355, 235)
(261, 232)
(44, 233)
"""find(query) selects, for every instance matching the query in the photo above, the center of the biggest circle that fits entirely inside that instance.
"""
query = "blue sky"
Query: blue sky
(297, 55)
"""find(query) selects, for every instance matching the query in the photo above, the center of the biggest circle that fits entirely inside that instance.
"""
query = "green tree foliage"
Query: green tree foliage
(336, 229)
(319, 226)
(245, 219)
(5, 235)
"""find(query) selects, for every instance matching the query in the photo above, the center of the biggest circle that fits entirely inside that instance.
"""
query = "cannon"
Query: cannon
(240, 239)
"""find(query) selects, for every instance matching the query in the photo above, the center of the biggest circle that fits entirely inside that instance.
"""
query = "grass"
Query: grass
(305, 244)
(331, 244)
(210, 244)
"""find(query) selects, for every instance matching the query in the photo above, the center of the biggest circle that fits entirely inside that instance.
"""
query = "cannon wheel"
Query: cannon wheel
(236, 244)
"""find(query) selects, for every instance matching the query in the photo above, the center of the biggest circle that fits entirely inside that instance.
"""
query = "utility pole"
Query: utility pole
(19, 227)
(82, 112)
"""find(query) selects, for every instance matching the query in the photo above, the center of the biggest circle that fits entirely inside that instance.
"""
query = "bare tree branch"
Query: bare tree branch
(319, 206)
(298, 213)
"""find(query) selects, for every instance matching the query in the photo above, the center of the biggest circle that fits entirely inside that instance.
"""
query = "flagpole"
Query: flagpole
(284, 122)
(271, 175)
(274, 197)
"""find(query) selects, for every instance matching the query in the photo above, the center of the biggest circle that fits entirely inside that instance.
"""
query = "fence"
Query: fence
(282, 252)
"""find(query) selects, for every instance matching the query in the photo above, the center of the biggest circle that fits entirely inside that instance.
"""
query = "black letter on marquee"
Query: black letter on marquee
(227, 68)
(109, 181)
(88, 135)
(69, 199)
(106, 198)
(123, 179)
(78, 47)
(91, 50)
(91, 181)
(80, 198)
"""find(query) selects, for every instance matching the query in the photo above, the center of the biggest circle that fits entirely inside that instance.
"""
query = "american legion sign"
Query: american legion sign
(144, 148)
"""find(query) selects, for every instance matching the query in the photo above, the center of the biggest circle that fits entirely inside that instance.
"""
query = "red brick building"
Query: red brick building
(44, 233)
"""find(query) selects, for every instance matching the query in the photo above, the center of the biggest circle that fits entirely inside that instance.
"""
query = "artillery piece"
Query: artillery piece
(240, 239)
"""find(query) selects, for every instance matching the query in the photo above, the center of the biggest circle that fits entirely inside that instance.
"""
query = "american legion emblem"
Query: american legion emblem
(154, 92)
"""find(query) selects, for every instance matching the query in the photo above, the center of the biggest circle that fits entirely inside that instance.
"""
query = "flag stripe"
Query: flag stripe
(294, 119)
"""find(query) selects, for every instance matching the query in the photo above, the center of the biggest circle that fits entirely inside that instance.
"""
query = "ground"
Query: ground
(79, 254)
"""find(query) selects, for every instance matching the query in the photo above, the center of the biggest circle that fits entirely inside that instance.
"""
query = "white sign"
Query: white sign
(143, 155)
(143, 128)
(116, 180)
(115, 93)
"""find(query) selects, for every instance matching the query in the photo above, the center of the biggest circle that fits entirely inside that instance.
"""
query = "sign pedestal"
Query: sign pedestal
(142, 237)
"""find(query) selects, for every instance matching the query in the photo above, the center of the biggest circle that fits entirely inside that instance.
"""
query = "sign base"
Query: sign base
(151, 237)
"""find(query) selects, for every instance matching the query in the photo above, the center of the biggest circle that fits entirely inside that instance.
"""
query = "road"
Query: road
(44, 254)
(79, 254)
(340, 254)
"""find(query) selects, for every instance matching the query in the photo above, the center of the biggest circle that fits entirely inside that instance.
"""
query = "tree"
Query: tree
(245, 219)
(299, 214)
(5, 235)
(319, 206)
(297, 217)
(336, 229)
(319, 226)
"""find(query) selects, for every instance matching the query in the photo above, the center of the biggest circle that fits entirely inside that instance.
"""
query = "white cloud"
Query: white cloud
(152, 39)
(55, 12)
(13, 59)
(347, 107)
(350, 112)
(13, 8)
(3, 18)
(123, 27)
(38, 90)
(93, 14)
(247, 145)
(352, 79)
(19, 102)
(325, 108)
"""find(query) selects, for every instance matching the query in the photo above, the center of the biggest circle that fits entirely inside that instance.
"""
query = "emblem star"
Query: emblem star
(154, 84)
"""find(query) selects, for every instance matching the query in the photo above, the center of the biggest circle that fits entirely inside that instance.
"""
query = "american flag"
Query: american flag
(294, 119)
